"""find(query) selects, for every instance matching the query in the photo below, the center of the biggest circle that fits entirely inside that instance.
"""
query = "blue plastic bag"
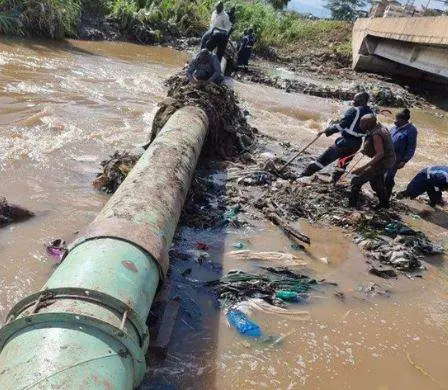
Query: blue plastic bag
(241, 322)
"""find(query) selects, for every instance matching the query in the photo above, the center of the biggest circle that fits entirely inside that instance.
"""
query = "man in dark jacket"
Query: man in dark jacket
(245, 48)
(348, 144)
(404, 137)
(432, 180)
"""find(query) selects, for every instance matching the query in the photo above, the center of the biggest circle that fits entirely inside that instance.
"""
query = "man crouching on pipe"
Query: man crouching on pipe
(380, 148)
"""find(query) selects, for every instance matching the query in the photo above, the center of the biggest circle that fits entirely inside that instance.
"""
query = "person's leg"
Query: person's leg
(378, 186)
(222, 40)
(358, 181)
(389, 182)
(355, 189)
(341, 148)
(341, 167)
(327, 157)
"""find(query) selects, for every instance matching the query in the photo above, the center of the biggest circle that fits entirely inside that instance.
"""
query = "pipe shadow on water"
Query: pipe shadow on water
(195, 258)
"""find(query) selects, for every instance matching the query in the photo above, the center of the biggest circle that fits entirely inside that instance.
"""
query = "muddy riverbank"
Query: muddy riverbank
(66, 107)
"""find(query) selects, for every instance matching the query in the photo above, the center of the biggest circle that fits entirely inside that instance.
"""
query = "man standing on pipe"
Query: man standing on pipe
(348, 144)
(218, 34)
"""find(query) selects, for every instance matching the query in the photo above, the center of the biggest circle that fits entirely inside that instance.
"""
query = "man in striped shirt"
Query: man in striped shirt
(349, 142)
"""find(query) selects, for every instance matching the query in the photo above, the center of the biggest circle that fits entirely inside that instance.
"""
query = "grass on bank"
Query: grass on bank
(175, 18)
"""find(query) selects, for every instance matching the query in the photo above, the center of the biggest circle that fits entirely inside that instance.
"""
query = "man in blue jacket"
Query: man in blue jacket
(404, 137)
(348, 144)
(432, 180)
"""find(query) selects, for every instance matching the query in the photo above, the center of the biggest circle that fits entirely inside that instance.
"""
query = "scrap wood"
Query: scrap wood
(288, 229)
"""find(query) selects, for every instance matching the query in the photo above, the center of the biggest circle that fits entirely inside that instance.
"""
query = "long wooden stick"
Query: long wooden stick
(298, 154)
(287, 229)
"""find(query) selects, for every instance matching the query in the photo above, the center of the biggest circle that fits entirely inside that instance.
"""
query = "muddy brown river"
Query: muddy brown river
(66, 106)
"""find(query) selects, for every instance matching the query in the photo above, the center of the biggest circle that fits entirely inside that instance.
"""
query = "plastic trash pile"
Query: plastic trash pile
(240, 293)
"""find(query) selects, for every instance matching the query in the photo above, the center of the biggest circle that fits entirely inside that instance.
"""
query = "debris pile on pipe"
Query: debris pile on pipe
(11, 213)
(229, 133)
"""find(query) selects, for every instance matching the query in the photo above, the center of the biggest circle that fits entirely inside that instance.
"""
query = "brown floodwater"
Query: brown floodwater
(66, 106)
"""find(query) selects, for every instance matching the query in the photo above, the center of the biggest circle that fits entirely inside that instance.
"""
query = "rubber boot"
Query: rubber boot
(389, 190)
(310, 170)
(353, 198)
(384, 199)
(337, 176)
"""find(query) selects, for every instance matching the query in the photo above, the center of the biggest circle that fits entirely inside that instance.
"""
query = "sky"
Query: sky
(316, 7)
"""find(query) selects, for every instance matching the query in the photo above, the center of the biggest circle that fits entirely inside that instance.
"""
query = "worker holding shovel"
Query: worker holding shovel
(348, 144)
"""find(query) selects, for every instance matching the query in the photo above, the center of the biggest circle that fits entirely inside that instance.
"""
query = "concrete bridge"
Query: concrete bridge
(410, 47)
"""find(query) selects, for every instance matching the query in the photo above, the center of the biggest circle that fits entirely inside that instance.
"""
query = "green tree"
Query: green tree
(279, 4)
(345, 9)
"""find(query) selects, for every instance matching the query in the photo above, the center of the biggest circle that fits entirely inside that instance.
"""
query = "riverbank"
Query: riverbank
(295, 54)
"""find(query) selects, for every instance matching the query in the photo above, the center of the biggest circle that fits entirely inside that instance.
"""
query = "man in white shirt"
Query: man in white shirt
(218, 34)
(220, 18)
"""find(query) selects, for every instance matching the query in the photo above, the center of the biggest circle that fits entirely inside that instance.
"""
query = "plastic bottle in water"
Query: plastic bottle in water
(241, 322)
(287, 296)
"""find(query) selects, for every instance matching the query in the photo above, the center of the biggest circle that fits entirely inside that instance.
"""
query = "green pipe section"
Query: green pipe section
(86, 329)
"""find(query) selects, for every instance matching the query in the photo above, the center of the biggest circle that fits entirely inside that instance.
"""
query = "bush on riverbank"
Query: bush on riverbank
(42, 18)
(155, 21)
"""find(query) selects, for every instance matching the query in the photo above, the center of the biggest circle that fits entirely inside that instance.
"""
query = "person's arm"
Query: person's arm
(216, 69)
(213, 19)
(344, 123)
(227, 22)
(435, 195)
(379, 154)
(411, 145)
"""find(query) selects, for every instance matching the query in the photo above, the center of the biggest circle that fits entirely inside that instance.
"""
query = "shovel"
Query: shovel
(300, 153)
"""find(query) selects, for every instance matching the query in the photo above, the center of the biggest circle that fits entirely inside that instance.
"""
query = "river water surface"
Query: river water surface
(66, 106)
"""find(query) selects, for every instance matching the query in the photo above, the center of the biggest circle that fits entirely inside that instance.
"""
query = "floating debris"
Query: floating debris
(11, 213)
(240, 286)
(115, 170)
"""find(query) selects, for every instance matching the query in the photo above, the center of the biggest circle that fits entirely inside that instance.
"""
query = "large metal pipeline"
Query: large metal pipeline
(86, 328)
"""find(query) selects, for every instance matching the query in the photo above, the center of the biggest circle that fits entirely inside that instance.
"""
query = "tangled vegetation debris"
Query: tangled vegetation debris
(115, 170)
(229, 133)
(11, 213)
(381, 235)
(381, 95)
